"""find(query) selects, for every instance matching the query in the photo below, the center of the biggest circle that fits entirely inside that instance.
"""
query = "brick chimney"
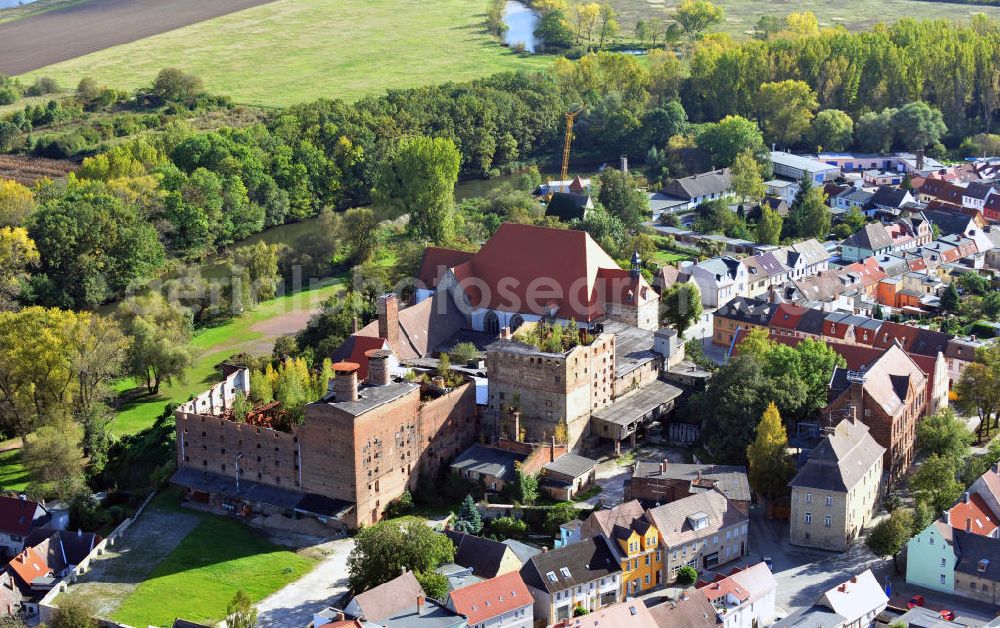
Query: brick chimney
(920, 159)
(965, 497)
(345, 385)
(505, 333)
(388, 320)
(420, 605)
(378, 366)
(552, 449)
(968, 524)
(516, 414)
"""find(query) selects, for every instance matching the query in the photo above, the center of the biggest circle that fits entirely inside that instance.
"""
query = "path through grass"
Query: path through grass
(252, 333)
(292, 51)
(174, 562)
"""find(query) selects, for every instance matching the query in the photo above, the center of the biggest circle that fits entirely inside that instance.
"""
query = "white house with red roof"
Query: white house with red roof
(500, 602)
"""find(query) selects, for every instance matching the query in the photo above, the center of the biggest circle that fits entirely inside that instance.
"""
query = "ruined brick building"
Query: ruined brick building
(357, 449)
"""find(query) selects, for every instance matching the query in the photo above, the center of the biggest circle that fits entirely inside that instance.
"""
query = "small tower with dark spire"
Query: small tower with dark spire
(636, 265)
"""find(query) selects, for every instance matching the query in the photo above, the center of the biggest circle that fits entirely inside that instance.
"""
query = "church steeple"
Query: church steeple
(636, 265)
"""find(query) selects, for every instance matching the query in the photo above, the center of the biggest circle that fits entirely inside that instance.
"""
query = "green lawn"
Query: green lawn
(200, 576)
(13, 475)
(291, 51)
(213, 345)
(668, 257)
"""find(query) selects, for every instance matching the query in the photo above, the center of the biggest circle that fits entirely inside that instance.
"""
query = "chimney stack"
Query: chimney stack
(552, 449)
(663, 465)
(354, 324)
(920, 159)
(968, 524)
(378, 366)
(624, 164)
(388, 320)
(965, 497)
(341, 616)
(505, 333)
(345, 385)
(516, 414)
(420, 605)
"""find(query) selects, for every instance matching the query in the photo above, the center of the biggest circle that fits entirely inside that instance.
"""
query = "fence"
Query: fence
(47, 607)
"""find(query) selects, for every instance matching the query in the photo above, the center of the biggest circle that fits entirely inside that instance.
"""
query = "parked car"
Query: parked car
(916, 600)
(947, 615)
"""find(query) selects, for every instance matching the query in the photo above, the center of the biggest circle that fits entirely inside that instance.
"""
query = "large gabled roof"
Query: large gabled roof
(485, 600)
(873, 236)
(841, 459)
(545, 271)
(17, 516)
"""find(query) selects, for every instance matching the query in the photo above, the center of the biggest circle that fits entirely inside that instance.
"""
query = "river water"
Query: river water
(521, 22)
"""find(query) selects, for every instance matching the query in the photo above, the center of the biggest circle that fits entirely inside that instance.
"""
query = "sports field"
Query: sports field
(290, 51)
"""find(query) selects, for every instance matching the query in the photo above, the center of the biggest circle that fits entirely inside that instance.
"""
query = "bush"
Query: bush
(44, 85)
(400, 506)
(687, 575)
(463, 353)
(509, 528)
(8, 95)
(73, 612)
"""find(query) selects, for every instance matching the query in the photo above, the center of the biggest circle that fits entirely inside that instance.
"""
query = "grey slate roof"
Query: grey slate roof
(812, 250)
(764, 265)
(872, 236)
(488, 461)
(571, 465)
(748, 310)
(482, 556)
(841, 459)
(586, 561)
(886, 196)
(673, 523)
(721, 266)
(704, 184)
(948, 222)
(523, 551)
(730, 479)
(973, 548)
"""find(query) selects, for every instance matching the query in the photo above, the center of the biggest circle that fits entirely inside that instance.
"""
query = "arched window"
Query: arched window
(491, 324)
(516, 322)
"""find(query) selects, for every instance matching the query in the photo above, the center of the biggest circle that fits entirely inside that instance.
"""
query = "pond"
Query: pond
(521, 22)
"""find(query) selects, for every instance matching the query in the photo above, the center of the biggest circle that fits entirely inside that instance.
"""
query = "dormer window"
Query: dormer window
(984, 564)
(551, 576)
(564, 571)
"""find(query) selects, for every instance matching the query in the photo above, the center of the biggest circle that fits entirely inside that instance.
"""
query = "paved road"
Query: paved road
(294, 605)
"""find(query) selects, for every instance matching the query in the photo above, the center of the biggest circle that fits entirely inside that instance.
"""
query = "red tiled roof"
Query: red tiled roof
(890, 331)
(976, 513)
(29, 565)
(361, 343)
(17, 515)
(436, 261)
(557, 268)
(869, 270)
(942, 190)
(491, 598)
(787, 316)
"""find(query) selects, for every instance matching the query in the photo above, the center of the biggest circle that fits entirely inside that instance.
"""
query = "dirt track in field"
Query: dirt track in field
(35, 42)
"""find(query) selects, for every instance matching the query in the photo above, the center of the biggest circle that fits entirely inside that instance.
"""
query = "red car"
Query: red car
(916, 600)
(947, 615)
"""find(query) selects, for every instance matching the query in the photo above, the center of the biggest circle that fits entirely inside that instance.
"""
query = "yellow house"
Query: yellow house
(635, 541)
(640, 557)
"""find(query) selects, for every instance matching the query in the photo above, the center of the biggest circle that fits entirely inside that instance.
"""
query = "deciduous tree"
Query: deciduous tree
(747, 178)
(889, 536)
(786, 108)
(730, 137)
(383, 550)
(681, 306)
(418, 179)
(695, 16)
(160, 331)
(770, 465)
(769, 226)
(241, 613)
(944, 434)
(832, 129)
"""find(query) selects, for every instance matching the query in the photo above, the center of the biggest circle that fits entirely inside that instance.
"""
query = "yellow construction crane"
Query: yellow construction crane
(570, 116)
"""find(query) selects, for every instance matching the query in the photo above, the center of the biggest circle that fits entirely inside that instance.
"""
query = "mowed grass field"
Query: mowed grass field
(197, 580)
(291, 51)
(742, 15)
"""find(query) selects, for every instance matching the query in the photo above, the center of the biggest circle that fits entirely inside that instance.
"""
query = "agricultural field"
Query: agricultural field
(290, 51)
(79, 28)
(253, 333)
(27, 170)
(742, 15)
